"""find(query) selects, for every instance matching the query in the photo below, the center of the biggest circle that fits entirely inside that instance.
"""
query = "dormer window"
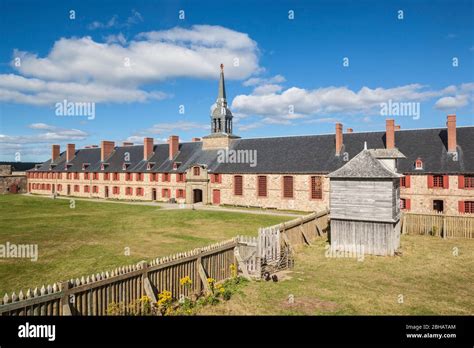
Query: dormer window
(103, 166)
(51, 166)
(176, 165)
(125, 166)
(85, 166)
(419, 164)
(67, 166)
(149, 165)
(37, 166)
(196, 171)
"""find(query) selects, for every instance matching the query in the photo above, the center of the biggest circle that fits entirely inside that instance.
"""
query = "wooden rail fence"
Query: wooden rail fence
(440, 225)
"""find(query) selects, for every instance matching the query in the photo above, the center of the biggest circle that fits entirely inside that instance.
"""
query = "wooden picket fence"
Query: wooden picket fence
(92, 295)
(438, 224)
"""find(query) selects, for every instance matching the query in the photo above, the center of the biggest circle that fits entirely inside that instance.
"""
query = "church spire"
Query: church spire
(221, 94)
(221, 116)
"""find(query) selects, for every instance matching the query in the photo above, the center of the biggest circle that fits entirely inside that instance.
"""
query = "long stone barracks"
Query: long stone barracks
(287, 173)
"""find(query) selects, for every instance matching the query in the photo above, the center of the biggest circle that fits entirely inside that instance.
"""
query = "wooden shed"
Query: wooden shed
(365, 203)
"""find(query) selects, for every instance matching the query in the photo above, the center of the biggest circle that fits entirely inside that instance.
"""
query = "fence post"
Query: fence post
(64, 301)
(146, 284)
(444, 226)
(404, 227)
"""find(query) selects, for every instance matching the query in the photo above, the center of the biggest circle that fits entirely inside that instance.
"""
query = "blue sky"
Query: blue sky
(139, 62)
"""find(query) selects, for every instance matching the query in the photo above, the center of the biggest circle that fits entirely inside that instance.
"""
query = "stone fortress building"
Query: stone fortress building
(277, 172)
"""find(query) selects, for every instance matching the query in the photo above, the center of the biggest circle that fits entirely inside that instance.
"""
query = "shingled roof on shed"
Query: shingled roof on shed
(364, 166)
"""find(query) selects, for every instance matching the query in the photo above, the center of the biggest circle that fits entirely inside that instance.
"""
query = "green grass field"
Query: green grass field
(428, 279)
(93, 236)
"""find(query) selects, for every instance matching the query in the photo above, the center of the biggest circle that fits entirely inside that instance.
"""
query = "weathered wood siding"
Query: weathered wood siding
(368, 200)
(373, 238)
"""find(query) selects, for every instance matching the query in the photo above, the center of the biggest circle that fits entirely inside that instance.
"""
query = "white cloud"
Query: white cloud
(447, 103)
(296, 102)
(18, 89)
(32, 147)
(267, 89)
(82, 69)
(460, 96)
(255, 81)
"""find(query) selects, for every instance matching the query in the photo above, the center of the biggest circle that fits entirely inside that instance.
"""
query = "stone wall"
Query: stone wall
(12, 183)
(422, 197)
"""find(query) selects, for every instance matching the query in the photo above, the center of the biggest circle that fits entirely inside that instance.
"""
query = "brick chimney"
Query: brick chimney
(451, 124)
(55, 150)
(195, 140)
(127, 143)
(338, 138)
(349, 130)
(173, 142)
(70, 152)
(106, 149)
(390, 134)
(147, 148)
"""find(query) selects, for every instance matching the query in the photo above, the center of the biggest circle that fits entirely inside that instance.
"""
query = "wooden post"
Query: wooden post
(66, 306)
(199, 283)
(203, 276)
(147, 287)
(404, 228)
(444, 227)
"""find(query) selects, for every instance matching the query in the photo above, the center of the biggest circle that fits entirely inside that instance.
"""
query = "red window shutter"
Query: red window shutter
(461, 206)
(407, 181)
(213, 178)
(407, 204)
(445, 181)
(430, 181)
(461, 181)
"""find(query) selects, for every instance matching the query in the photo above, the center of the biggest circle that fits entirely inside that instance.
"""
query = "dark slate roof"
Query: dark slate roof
(19, 166)
(364, 165)
(294, 154)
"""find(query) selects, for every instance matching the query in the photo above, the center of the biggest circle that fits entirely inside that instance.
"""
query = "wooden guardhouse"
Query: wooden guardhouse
(365, 203)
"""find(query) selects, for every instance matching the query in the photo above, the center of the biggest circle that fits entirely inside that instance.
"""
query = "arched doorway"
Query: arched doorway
(197, 196)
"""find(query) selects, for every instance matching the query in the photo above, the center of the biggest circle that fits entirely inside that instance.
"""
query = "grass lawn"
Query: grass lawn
(426, 279)
(93, 236)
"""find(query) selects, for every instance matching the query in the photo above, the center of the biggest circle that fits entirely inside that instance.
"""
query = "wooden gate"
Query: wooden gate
(258, 254)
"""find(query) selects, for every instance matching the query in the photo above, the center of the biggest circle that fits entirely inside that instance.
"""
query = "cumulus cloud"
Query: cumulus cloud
(117, 71)
(32, 147)
(460, 96)
(278, 105)
(18, 89)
